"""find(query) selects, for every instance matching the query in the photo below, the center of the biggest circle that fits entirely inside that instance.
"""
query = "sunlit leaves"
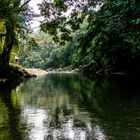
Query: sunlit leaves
(15, 17)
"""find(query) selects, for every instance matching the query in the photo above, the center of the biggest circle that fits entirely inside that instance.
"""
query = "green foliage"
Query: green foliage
(36, 51)
(111, 35)
(14, 17)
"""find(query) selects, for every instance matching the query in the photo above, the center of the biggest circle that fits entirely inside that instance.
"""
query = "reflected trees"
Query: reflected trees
(11, 127)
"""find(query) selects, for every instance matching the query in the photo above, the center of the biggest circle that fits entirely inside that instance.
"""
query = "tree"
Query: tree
(64, 17)
(15, 17)
(112, 32)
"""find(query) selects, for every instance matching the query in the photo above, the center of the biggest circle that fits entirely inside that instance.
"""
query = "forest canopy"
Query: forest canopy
(110, 36)
(103, 35)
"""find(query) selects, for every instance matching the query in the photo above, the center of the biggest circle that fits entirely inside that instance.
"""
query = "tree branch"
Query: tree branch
(20, 9)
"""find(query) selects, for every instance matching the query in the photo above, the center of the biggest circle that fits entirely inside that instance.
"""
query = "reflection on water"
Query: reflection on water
(11, 126)
(67, 106)
(35, 119)
(51, 109)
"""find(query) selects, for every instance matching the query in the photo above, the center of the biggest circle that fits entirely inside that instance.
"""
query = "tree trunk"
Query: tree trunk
(9, 42)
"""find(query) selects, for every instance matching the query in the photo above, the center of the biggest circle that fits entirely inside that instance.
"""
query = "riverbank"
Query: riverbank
(12, 75)
(35, 71)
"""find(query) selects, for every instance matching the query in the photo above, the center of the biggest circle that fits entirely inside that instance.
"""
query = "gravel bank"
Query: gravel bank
(37, 72)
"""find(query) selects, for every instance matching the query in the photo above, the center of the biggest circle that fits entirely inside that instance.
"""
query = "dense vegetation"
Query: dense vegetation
(103, 35)
(37, 50)
(93, 35)
(14, 19)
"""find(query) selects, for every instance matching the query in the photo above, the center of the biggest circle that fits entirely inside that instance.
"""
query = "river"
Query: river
(69, 106)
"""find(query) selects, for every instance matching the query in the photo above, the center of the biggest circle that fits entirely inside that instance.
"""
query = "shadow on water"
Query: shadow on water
(120, 105)
(10, 123)
(68, 106)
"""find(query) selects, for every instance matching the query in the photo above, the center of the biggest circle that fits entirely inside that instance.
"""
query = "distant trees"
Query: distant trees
(14, 17)
(40, 51)
(36, 50)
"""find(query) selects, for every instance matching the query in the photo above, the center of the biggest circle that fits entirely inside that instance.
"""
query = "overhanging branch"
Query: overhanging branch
(25, 3)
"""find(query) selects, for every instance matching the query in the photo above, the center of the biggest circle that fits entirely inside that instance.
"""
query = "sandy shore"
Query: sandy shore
(37, 72)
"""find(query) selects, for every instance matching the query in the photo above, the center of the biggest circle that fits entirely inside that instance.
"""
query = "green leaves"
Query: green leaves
(111, 34)
(14, 16)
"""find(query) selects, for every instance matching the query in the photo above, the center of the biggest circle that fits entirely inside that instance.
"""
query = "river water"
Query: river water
(68, 106)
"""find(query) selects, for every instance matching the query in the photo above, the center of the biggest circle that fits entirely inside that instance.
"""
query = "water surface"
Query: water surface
(68, 106)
